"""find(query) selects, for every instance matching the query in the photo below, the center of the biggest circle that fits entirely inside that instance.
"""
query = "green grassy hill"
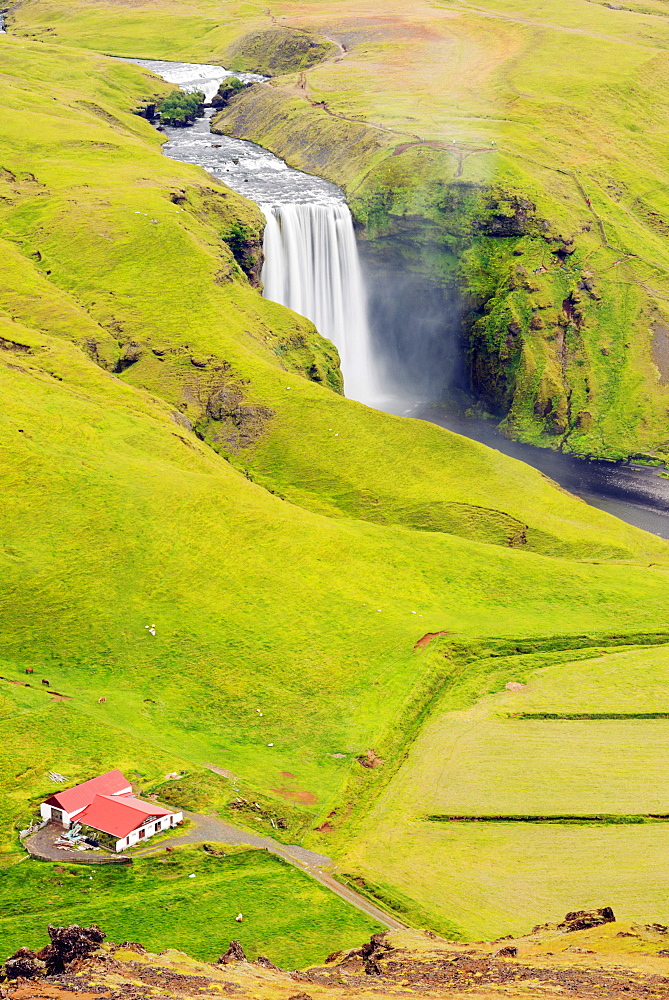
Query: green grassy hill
(190, 899)
(167, 461)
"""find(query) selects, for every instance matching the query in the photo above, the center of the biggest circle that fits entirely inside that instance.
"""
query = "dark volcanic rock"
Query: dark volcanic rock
(24, 964)
(235, 953)
(509, 215)
(69, 944)
(130, 355)
(508, 951)
(265, 963)
(580, 920)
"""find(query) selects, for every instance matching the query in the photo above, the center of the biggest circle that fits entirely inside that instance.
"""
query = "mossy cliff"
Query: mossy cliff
(559, 336)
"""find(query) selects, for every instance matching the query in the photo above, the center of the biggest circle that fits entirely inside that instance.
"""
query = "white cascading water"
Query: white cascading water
(312, 266)
(311, 257)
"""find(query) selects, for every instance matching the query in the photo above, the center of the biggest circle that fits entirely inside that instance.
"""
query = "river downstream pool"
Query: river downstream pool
(636, 494)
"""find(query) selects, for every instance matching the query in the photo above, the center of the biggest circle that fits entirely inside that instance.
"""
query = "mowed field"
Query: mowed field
(492, 877)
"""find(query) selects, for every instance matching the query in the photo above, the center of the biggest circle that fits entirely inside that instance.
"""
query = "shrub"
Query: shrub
(180, 109)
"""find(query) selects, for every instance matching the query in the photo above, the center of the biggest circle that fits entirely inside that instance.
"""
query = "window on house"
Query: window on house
(142, 833)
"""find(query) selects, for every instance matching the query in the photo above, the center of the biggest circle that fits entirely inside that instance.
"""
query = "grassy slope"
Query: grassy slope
(115, 516)
(287, 916)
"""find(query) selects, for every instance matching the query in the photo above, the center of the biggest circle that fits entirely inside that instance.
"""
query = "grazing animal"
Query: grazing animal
(101, 701)
(45, 682)
(29, 670)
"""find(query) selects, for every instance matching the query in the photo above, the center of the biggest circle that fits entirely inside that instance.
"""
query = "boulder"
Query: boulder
(265, 963)
(508, 951)
(68, 945)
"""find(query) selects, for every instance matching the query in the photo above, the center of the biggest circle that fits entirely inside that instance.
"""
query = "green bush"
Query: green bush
(179, 108)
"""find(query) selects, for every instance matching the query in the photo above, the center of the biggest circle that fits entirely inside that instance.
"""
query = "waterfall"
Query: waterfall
(312, 265)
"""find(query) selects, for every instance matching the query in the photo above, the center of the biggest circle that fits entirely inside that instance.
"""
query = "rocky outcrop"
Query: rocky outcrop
(407, 963)
(24, 964)
(579, 920)
(245, 242)
(241, 423)
(68, 945)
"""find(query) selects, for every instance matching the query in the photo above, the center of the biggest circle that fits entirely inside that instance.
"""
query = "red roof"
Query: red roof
(120, 815)
(73, 799)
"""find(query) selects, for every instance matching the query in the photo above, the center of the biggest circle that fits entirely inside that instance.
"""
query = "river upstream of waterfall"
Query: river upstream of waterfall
(312, 265)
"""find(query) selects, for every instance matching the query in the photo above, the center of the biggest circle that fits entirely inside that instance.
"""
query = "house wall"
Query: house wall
(45, 812)
(165, 823)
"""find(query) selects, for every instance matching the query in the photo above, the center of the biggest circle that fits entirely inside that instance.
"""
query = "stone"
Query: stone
(265, 963)
(580, 920)
(68, 945)
(508, 951)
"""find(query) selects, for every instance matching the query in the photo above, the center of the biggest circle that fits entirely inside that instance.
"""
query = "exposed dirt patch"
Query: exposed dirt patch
(428, 637)
(223, 771)
(287, 774)
(11, 345)
(295, 795)
(370, 759)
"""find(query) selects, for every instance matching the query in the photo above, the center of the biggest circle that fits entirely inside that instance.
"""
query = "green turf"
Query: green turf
(286, 915)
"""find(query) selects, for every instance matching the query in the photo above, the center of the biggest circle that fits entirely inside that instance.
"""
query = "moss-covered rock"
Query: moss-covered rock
(273, 51)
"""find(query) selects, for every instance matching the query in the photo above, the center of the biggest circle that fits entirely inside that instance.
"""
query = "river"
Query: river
(312, 266)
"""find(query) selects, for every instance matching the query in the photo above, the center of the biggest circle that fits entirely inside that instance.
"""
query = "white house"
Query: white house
(107, 804)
